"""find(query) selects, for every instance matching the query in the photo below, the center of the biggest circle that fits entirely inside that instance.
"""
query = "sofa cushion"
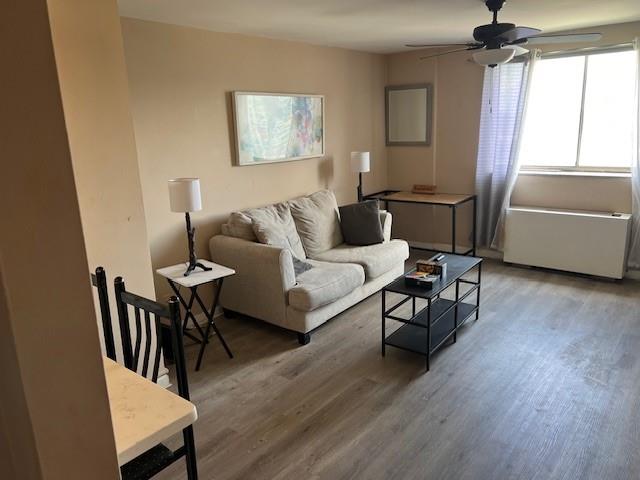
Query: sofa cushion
(317, 221)
(274, 225)
(360, 223)
(239, 225)
(323, 284)
(376, 259)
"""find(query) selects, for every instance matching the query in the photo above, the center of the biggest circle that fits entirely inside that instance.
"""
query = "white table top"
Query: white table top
(143, 413)
(175, 273)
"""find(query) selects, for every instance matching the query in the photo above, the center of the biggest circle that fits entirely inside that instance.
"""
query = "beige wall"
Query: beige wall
(95, 94)
(450, 162)
(53, 400)
(181, 80)
(604, 194)
(18, 451)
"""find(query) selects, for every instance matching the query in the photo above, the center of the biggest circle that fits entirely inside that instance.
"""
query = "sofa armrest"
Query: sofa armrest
(385, 220)
(264, 275)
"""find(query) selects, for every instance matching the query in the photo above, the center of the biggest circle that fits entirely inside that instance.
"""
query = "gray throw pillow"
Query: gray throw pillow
(360, 223)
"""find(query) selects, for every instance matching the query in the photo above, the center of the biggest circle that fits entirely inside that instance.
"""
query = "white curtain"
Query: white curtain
(504, 99)
(634, 250)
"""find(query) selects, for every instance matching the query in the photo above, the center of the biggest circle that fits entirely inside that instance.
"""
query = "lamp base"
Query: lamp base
(193, 265)
(193, 261)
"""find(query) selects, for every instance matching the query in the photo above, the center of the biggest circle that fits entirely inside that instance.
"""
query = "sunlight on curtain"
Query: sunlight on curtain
(634, 249)
(504, 98)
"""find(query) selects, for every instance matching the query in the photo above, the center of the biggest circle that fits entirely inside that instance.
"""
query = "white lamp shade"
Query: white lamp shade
(495, 56)
(184, 195)
(360, 162)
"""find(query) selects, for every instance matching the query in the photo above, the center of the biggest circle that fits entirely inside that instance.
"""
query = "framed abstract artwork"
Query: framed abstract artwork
(277, 127)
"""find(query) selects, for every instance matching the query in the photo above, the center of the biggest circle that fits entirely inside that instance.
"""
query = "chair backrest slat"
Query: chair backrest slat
(138, 340)
(178, 348)
(125, 329)
(99, 280)
(147, 343)
(156, 360)
(145, 304)
(171, 312)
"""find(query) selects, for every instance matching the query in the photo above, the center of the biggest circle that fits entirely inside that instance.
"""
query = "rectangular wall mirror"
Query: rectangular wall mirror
(408, 114)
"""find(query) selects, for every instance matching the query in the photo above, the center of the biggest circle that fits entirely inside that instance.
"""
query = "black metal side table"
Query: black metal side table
(430, 328)
(175, 276)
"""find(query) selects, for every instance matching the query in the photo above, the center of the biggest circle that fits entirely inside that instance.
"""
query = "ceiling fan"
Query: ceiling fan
(498, 42)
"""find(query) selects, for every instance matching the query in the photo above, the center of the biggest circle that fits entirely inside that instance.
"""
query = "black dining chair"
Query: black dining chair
(99, 280)
(149, 314)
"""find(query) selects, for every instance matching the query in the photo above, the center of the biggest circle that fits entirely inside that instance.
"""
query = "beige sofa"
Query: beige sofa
(307, 231)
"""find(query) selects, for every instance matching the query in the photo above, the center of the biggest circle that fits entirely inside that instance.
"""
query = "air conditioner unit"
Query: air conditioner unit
(594, 243)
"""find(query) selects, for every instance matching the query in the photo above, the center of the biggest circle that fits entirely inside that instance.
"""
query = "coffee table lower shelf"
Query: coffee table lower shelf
(414, 336)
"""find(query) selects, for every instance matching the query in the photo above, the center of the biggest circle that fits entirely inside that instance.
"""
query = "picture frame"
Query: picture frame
(278, 127)
(408, 114)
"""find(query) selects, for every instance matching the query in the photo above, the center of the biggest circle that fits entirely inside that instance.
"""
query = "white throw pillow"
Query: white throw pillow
(317, 221)
(239, 225)
(274, 225)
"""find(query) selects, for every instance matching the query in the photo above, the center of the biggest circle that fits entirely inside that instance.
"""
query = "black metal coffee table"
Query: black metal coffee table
(428, 329)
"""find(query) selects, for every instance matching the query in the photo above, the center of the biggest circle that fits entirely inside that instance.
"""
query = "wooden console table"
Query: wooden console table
(450, 200)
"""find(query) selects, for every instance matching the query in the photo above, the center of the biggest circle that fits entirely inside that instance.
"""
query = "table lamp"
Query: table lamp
(184, 197)
(360, 164)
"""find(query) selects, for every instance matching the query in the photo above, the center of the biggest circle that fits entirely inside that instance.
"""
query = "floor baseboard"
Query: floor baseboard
(490, 253)
(202, 319)
(445, 247)
(632, 274)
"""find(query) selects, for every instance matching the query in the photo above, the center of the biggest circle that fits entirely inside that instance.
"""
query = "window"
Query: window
(579, 113)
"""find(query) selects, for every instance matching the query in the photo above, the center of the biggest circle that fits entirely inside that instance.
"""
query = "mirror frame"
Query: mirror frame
(428, 111)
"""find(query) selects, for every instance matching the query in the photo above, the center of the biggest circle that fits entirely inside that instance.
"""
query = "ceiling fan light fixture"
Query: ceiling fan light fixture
(517, 50)
(493, 57)
(498, 42)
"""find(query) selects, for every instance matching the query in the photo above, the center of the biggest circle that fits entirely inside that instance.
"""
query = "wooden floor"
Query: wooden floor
(546, 385)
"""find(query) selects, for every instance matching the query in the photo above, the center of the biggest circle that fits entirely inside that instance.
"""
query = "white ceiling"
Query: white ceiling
(375, 25)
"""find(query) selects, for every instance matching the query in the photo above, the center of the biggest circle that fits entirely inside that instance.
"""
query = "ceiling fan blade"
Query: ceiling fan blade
(435, 45)
(450, 51)
(566, 38)
(518, 33)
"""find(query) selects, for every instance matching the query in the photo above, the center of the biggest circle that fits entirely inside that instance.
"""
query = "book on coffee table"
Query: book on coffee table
(420, 279)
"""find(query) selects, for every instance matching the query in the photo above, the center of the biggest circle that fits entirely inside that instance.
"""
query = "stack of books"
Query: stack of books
(427, 272)
(432, 266)
(420, 279)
